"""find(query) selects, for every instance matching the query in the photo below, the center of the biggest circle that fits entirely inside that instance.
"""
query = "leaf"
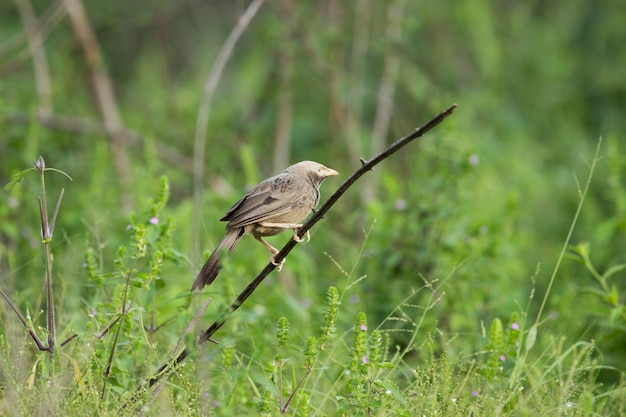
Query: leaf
(77, 374)
(613, 270)
(17, 178)
(612, 297)
(159, 284)
(60, 172)
(30, 381)
(531, 338)
(393, 390)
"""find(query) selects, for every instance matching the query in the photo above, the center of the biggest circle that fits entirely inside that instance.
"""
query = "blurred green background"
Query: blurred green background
(478, 206)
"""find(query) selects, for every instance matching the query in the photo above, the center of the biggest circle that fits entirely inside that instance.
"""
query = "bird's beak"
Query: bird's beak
(329, 172)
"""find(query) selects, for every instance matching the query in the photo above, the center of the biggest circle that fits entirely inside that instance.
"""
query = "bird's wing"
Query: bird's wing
(262, 203)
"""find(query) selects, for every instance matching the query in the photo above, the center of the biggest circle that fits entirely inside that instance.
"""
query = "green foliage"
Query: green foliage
(432, 297)
(607, 293)
(330, 316)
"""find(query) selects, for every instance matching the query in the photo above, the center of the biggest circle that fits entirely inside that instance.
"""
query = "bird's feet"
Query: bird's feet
(298, 238)
(293, 226)
(279, 264)
(274, 253)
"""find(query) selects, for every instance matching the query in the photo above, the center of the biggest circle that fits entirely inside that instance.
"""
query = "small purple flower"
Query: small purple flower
(363, 327)
(474, 393)
(502, 358)
(400, 204)
(128, 227)
(364, 360)
(154, 220)
(515, 325)
(473, 160)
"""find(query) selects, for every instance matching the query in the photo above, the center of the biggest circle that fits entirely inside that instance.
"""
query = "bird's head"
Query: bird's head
(314, 170)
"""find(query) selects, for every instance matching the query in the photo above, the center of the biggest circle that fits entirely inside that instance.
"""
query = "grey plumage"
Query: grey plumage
(277, 204)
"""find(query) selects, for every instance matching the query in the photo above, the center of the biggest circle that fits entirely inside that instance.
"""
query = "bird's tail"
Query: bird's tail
(212, 267)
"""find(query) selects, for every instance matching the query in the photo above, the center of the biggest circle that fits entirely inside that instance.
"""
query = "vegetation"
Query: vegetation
(478, 272)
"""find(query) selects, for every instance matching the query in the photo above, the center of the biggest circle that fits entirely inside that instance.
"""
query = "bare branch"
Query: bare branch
(317, 216)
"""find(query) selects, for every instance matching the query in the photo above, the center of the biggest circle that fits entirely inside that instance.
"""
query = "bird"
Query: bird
(276, 204)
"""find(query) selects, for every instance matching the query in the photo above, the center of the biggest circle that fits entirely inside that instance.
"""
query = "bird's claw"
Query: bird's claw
(299, 239)
(279, 264)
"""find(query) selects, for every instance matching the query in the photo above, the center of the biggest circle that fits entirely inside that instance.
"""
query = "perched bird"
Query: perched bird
(277, 204)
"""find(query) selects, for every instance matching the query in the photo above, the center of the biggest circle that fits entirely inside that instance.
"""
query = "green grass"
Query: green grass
(324, 359)
(477, 272)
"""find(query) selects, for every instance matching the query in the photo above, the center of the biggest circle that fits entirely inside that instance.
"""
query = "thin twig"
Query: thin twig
(46, 237)
(108, 328)
(47, 231)
(50, 300)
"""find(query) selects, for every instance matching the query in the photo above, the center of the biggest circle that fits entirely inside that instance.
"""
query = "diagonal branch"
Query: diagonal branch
(316, 217)
(319, 214)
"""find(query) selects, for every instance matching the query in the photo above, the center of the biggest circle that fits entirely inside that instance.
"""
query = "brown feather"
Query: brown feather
(286, 198)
